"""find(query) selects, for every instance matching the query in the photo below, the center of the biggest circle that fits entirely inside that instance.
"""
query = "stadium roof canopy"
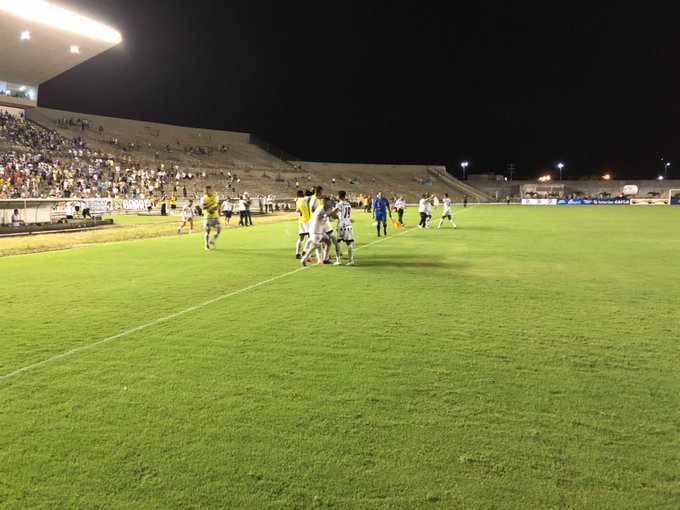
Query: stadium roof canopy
(41, 40)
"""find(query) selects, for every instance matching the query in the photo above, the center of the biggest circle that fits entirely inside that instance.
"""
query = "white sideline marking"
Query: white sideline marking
(127, 332)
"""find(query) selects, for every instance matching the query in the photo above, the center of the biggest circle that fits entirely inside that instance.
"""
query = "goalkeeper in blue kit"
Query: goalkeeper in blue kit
(381, 208)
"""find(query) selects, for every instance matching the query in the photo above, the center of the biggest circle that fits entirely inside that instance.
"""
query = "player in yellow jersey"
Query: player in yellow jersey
(211, 216)
(305, 214)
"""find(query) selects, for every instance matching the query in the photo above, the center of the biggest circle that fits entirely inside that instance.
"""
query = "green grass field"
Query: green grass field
(527, 360)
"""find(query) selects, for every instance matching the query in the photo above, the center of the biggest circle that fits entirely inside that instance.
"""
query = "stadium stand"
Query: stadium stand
(62, 154)
(56, 154)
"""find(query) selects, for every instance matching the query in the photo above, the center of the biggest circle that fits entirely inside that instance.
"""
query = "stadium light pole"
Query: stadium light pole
(560, 166)
(464, 166)
(665, 169)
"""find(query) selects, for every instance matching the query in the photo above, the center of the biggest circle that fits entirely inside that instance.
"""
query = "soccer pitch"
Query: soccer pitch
(528, 359)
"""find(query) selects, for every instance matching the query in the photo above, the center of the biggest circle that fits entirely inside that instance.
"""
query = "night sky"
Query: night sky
(593, 84)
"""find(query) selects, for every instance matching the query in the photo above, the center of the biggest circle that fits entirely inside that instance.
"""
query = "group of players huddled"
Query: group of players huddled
(315, 210)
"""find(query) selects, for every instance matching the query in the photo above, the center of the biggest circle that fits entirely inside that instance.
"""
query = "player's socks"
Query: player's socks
(319, 258)
(350, 252)
(378, 229)
(207, 239)
(385, 228)
(298, 245)
(453, 224)
(440, 223)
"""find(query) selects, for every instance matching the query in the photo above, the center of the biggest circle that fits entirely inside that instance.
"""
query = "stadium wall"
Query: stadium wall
(592, 188)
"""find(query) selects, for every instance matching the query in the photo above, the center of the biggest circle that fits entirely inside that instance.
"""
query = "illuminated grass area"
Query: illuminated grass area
(528, 359)
(125, 228)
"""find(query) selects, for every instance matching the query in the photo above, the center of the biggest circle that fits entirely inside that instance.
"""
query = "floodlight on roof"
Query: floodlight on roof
(75, 50)
(43, 12)
(25, 35)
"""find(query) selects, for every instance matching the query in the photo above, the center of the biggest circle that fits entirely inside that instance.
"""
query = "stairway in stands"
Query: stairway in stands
(460, 186)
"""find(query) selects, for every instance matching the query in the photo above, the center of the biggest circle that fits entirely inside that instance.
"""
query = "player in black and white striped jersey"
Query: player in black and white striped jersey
(344, 227)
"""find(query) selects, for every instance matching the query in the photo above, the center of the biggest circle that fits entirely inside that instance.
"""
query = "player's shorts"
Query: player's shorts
(346, 233)
(303, 228)
(187, 218)
(318, 237)
(446, 215)
(381, 217)
(227, 214)
(210, 222)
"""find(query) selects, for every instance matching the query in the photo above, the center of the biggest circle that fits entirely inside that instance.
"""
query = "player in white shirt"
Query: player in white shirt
(422, 210)
(446, 213)
(187, 216)
(314, 202)
(428, 211)
(227, 210)
(242, 208)
(345, 231)
(317, 226)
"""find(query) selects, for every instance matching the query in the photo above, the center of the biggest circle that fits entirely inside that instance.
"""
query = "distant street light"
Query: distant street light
(560, 166)
(660, 177)
(606, 177)
(464, 166)
(665, 169)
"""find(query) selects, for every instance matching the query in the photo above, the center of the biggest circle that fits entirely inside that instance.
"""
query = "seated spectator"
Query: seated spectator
(16, 219)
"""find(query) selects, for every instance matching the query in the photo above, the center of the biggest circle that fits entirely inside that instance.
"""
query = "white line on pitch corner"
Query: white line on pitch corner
(155, 322)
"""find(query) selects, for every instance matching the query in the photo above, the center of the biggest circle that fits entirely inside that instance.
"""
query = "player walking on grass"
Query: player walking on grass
(304, 215)
(345, 230)
(446, 212)
(211, 216)
(227, 209)
(187, 217)
(381, 208)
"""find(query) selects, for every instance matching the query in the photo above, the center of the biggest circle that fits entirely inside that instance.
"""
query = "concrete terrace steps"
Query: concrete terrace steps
(240, 152)
(460, 186)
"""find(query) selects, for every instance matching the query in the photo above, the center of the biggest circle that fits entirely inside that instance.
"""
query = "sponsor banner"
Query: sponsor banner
(611, 201)
(649, 201)
(103, 205)
(593, 201)
(574, 201)
(539, 201)
(99, 205)
(131, 204)
(675, 201)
